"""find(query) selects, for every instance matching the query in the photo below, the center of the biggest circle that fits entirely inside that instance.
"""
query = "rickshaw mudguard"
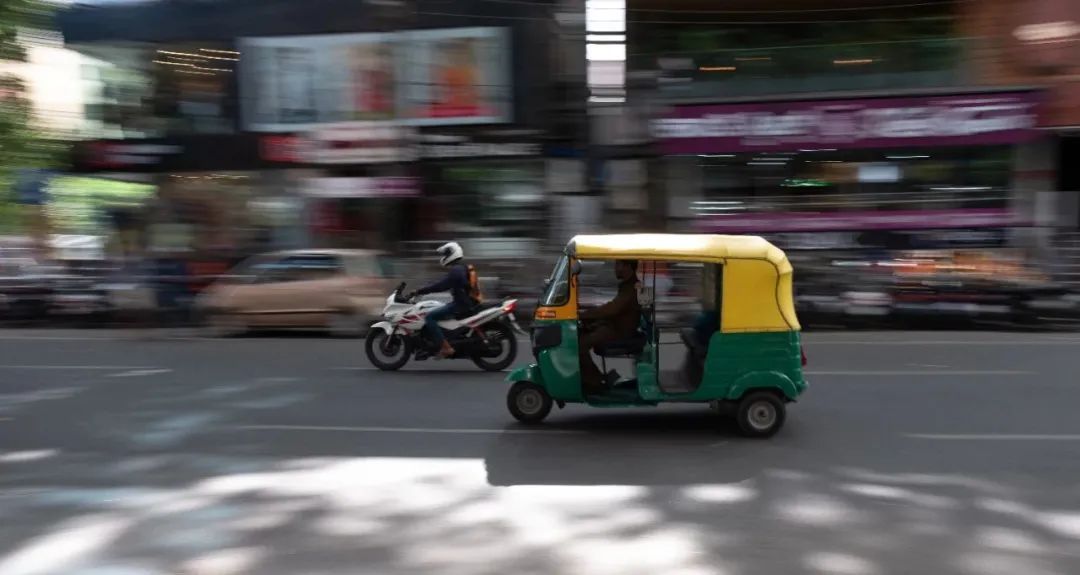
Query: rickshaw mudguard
(763, 380)
(530, 373)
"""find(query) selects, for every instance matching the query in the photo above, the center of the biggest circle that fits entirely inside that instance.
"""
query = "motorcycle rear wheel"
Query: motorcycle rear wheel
(504, 335)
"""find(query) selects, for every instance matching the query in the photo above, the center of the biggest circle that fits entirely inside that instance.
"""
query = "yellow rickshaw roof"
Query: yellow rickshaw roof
(678, 247)
(757, 292)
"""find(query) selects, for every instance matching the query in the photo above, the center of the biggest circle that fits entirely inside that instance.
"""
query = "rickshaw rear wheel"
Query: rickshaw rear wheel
(760, 414)
(528, 403)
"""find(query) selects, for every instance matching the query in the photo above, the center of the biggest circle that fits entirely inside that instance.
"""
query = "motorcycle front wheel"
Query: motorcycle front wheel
(502, 335)
(386, 352)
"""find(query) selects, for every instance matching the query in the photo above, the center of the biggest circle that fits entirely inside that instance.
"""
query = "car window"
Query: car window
(362, 266)
(262, 268)
(386, 266)
(310, 267)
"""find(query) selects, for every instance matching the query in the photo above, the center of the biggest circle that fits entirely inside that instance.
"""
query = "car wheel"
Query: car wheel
(223, 324)
(347, 324)
(528, 403)
(760, 414)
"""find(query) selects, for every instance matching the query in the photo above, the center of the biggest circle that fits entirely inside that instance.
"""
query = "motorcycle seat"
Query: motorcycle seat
(469, 312)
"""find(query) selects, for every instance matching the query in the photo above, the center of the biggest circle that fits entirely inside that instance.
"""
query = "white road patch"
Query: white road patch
(995, 436)
(27, 456)
(141, 372)
(62, 548)
(80, 367)
(923, 372)
(373, 429)
(839, 564)
(49, 338)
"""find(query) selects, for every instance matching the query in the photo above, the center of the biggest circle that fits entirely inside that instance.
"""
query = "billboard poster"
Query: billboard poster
(295, 83)
(455, 76)
(420, 78)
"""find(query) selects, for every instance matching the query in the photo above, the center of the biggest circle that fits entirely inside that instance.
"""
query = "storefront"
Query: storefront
(214, 193)
(483, 183)
(882, 164)
(355, 179)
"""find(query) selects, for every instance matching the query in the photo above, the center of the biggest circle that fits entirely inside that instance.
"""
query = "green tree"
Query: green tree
(21, 145)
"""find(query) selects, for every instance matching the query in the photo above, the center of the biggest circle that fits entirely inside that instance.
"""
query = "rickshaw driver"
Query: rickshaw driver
(615, 320)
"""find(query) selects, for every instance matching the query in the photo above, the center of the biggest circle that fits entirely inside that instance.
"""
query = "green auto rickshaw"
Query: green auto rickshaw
(751, 359)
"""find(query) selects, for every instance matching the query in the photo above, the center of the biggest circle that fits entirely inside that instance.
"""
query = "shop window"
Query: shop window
(494, 199)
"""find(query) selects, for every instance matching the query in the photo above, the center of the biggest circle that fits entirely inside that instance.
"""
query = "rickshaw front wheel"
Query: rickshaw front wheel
(528, 403)
(760, 414)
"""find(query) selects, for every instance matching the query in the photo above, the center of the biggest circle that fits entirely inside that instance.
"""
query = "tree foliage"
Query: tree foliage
(21, 145)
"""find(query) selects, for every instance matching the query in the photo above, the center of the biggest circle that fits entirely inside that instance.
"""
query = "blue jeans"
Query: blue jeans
(431, 322)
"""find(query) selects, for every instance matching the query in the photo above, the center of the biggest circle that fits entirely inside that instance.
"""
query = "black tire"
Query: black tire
(505, 334)
(221, 324)
(760, 414)
(528, 403)
(400, 350)
(347, 325)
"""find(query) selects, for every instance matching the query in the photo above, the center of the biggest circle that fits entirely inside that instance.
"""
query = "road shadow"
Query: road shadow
(179, 478)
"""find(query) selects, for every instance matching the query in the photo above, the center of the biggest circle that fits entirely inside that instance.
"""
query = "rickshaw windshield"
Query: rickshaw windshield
(557, 291)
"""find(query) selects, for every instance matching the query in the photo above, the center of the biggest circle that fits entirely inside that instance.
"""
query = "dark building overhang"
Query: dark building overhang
(169, 21)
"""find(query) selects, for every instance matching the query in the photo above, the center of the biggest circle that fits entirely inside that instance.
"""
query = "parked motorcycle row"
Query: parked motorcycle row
(942, 289)
(343, 292)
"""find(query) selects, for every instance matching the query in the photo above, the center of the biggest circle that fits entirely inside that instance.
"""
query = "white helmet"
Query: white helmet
(450, 253)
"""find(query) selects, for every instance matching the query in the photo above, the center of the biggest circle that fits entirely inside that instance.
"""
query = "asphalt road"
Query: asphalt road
(912, 453)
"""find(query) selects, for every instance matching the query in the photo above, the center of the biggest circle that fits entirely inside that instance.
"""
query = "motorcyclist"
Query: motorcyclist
(461, 282)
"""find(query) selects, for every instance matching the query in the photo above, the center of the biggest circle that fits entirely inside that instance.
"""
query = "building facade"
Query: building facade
(350, 124)
(838, 123)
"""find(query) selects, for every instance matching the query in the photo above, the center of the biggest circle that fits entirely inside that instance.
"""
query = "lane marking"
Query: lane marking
(994, 436)
(417, 370)
(923, 372)
(51, 338)
(374, 429)
(141, 372)
(82, 367)
(811, 342)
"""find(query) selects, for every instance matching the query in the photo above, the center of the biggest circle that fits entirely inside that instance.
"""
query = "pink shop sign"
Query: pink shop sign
(978, 119)
(865, 220)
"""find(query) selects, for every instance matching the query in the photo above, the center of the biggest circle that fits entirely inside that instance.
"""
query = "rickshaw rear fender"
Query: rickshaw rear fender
(530, 373)
(763, 380)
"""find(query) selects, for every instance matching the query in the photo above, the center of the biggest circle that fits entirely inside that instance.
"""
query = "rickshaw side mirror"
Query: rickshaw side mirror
(575, 267)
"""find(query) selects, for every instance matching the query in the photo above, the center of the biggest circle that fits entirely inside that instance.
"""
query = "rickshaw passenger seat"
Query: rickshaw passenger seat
(632, 346)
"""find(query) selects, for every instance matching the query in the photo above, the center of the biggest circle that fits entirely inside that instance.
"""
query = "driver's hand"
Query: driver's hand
(410, 296)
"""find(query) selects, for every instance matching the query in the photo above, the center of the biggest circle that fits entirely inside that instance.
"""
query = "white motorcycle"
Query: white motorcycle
(486, 335)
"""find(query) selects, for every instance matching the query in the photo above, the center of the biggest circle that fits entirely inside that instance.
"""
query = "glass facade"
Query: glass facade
(703, 60)
(144, 92)
(504, 199)
(825, 180)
